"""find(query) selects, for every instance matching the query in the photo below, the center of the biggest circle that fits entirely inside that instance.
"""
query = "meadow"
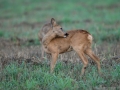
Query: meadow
(21, 66)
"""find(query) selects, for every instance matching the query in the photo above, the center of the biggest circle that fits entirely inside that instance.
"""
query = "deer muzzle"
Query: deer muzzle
(66, 34)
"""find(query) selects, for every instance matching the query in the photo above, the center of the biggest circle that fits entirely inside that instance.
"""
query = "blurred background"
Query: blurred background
(24, 18)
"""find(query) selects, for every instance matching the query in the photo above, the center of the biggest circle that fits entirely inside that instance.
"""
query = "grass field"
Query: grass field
(21, 67)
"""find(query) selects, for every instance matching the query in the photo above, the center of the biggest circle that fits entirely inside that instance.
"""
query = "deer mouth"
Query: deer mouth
(65, 35)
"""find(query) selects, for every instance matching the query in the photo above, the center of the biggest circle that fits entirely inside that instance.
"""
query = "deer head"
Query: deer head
(57, 29)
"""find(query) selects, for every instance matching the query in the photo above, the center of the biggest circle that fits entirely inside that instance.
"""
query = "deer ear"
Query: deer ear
(53, 22)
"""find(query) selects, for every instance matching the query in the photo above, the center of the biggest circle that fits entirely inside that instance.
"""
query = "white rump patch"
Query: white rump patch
(90, 38)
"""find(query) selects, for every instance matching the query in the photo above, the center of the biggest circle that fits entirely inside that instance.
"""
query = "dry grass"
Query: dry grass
(12, 51)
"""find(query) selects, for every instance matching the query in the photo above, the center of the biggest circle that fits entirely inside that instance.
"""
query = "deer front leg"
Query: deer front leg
(43, 53)
(53, 61)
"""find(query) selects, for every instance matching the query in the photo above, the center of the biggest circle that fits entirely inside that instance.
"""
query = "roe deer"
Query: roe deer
(47, 27)
(77, 40)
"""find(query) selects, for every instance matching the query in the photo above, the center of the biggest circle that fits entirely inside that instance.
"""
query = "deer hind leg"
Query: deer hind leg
(53, 61)
(90, 53)
(84, 60)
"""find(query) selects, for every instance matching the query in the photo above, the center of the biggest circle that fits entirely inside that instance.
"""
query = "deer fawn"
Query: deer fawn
(47, 27)
(77, 40)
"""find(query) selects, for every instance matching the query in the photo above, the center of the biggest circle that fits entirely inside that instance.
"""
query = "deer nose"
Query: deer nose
(66, 34)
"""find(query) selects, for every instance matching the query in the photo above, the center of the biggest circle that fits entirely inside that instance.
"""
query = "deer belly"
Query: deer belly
(63, 49)
(57, 48)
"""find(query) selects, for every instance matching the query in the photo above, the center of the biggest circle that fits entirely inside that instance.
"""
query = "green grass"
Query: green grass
(37, 77)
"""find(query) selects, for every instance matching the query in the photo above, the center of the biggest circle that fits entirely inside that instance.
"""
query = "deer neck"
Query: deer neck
(48, 37)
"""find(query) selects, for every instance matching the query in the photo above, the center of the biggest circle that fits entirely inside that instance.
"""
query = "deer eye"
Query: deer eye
(61, 28)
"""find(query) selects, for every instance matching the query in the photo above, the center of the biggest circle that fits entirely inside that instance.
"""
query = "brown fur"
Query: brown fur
(45, 29)
(77, 40)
